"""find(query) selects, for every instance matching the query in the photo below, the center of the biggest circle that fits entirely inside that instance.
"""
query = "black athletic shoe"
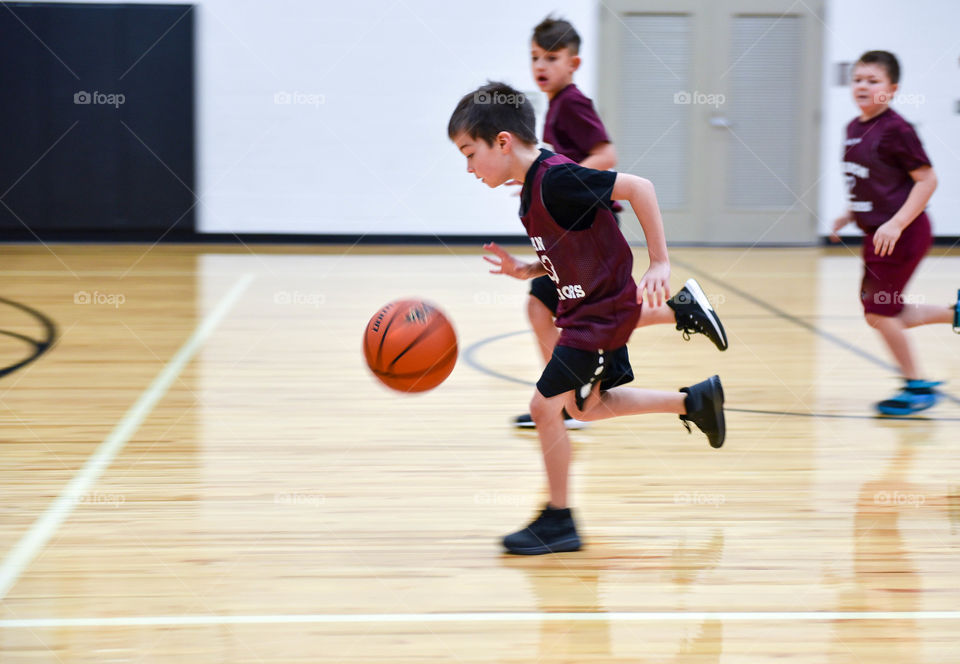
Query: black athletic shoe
(551, 532)
(704, 404)
(526, 422)
(696, 316)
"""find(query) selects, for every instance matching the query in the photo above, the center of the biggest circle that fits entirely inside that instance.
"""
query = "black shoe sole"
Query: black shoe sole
(717, 401)
(563, 546)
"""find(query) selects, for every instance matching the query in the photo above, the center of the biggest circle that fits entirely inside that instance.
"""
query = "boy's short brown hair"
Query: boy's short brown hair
(554, 34)
(885, 59)
(493, 108)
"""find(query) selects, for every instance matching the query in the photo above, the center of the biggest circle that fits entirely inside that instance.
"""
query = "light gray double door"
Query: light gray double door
(717, 103)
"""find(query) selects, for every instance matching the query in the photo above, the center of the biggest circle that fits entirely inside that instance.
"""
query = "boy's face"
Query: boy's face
(489, 163)
(871, 87)
(552, 70)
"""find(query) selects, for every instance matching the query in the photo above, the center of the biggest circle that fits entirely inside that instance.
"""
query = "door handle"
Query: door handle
(720, 122)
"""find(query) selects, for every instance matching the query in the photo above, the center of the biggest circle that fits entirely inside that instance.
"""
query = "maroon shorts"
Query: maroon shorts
(885, 277)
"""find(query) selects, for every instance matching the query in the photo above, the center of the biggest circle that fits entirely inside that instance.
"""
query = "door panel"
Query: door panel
(716, 103)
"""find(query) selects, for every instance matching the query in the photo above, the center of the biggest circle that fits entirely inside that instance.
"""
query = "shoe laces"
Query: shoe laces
(689, 324)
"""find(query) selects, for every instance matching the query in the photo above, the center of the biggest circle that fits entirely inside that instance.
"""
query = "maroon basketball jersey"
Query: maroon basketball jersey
(877, 159)
(572, 126)
(591, 268)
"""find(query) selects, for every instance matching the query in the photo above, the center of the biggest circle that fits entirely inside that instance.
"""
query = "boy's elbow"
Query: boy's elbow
(632, 187)
(645, 187)
(611, 155)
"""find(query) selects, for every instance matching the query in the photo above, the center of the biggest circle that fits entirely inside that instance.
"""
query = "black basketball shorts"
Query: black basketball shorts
(578, 370)
(545, 290)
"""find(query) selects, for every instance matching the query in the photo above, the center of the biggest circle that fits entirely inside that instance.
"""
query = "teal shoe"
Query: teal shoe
(916, 395)
(956, 314)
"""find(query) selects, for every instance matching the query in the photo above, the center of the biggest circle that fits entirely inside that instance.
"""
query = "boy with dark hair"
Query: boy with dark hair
(573, 128)
(890, 180)
(565, 209)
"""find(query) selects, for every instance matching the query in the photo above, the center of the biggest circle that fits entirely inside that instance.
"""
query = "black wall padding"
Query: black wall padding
(69, 166)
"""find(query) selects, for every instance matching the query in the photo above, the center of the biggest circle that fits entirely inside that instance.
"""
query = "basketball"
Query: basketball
(410, 345)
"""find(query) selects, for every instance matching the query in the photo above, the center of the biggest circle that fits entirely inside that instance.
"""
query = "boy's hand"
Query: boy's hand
(885, 238)
(656, 283)
(505, 263)
(839, 223)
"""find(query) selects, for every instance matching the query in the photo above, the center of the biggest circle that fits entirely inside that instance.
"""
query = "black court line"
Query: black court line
(823, 334)
(39, 346)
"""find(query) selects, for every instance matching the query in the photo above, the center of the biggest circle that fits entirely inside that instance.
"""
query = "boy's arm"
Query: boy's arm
(643, 199)
(839, 223)
(510, 266)
(602, 157)
(924, 184)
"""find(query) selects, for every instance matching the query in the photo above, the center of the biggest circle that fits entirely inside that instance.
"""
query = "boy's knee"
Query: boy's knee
(873, 320)
(541, 407)
(538, 311)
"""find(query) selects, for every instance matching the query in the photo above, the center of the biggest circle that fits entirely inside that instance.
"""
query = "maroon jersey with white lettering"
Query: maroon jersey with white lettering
(877, 159)
(591, 268)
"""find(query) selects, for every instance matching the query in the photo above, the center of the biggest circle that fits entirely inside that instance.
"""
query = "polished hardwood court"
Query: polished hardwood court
(201, 469)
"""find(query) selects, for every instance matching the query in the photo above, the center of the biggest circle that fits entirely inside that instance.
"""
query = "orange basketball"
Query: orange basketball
(410, 346)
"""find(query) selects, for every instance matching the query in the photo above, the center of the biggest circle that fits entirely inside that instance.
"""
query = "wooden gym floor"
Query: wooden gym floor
(202, 470)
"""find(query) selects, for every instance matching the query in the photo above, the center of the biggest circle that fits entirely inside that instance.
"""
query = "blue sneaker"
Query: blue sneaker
(956, 314)
(916, 395)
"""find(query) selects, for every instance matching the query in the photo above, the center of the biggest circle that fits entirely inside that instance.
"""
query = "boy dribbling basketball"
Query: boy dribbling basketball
(566, 213)
(573, 129)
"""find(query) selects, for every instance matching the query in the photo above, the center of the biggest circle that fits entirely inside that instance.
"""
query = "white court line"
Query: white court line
(43, 528)
(533, 616)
